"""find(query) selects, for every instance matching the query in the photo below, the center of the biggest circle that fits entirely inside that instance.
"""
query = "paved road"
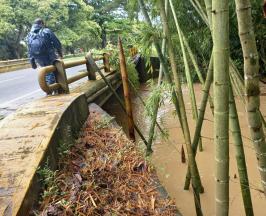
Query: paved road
(20, 87)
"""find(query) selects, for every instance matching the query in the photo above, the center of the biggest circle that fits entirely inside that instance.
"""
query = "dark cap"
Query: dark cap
(39, 21)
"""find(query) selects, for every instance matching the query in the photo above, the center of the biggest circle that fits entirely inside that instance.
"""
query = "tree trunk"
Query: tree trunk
(220, 21)
(252, 90)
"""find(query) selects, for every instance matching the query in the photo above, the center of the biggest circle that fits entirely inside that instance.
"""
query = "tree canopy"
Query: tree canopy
(95, 23)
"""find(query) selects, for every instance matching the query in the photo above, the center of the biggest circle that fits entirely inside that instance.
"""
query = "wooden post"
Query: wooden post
(120, 101)
(106, 63)
(91, 71)
(61, 77)
(124, 76)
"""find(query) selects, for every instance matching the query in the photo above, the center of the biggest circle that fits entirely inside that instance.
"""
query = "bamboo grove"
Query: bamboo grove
(227, 83)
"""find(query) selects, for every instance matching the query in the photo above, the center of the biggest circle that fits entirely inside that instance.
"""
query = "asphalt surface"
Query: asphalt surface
(21, 86)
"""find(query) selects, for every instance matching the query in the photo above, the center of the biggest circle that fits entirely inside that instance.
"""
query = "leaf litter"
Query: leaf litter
(104, 174)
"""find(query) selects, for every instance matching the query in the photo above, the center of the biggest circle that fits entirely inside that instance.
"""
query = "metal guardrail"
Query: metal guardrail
(62, 81)
(13, 62)
(11, 65)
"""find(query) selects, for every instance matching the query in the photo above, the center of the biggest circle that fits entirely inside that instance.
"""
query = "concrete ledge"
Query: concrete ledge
(27, 138)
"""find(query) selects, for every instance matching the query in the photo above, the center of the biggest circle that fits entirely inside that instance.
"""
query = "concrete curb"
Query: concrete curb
(27, 138)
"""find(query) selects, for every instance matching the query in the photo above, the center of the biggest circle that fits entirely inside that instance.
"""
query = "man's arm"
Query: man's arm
(56, 43)
(31, 58)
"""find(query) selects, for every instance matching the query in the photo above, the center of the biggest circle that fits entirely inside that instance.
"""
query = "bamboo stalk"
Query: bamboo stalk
(233, 70)
(240, 85)
(196, 183)
(240, 154)
(163, 62)
(252, 89)
(163, 49)
(128, 104)
(220, 21)
(157, 100)
(195, 64)
(202, 109)
(187, 70)
(198, 9)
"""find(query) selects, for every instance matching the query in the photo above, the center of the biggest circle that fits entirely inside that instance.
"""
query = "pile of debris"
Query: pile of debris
(104, 174)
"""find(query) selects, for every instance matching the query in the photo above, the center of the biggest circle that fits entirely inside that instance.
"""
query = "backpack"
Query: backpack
(37, 43)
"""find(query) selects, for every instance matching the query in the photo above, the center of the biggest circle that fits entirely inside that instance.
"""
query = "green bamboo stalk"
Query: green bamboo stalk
(163, 61)
(208, 5)
(196, 183)
(192, 57)
(240, 154)
(220, 19)
(240, 84)
(202, 109)
(200, 12)
(157, 100)
(252, 89)
(187, 70)
(163, 49)
(196, 66)
(236, 88)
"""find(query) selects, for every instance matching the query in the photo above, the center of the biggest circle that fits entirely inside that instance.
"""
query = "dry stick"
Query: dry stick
(163, 62)
(252, 89)
(157, 99)
(128, 104)
(196, 183)
(187, 70)
(202, 109)
(240, 154)
(220, 33)
(120, 101)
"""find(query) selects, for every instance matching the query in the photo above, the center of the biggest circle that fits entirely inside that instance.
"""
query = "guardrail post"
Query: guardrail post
(106, 63)
(90, 69)
(61, 77)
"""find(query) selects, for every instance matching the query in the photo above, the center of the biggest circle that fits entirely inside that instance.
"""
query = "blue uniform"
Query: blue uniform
(49, 55)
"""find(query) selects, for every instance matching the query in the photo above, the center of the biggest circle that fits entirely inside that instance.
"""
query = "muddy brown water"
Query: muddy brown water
(167, 155)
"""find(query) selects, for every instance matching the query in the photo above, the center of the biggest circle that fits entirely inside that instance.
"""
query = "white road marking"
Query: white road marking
(11, 79)
(4, 105)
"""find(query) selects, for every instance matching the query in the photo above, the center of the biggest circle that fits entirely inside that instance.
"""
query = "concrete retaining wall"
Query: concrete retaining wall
(32, 134)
